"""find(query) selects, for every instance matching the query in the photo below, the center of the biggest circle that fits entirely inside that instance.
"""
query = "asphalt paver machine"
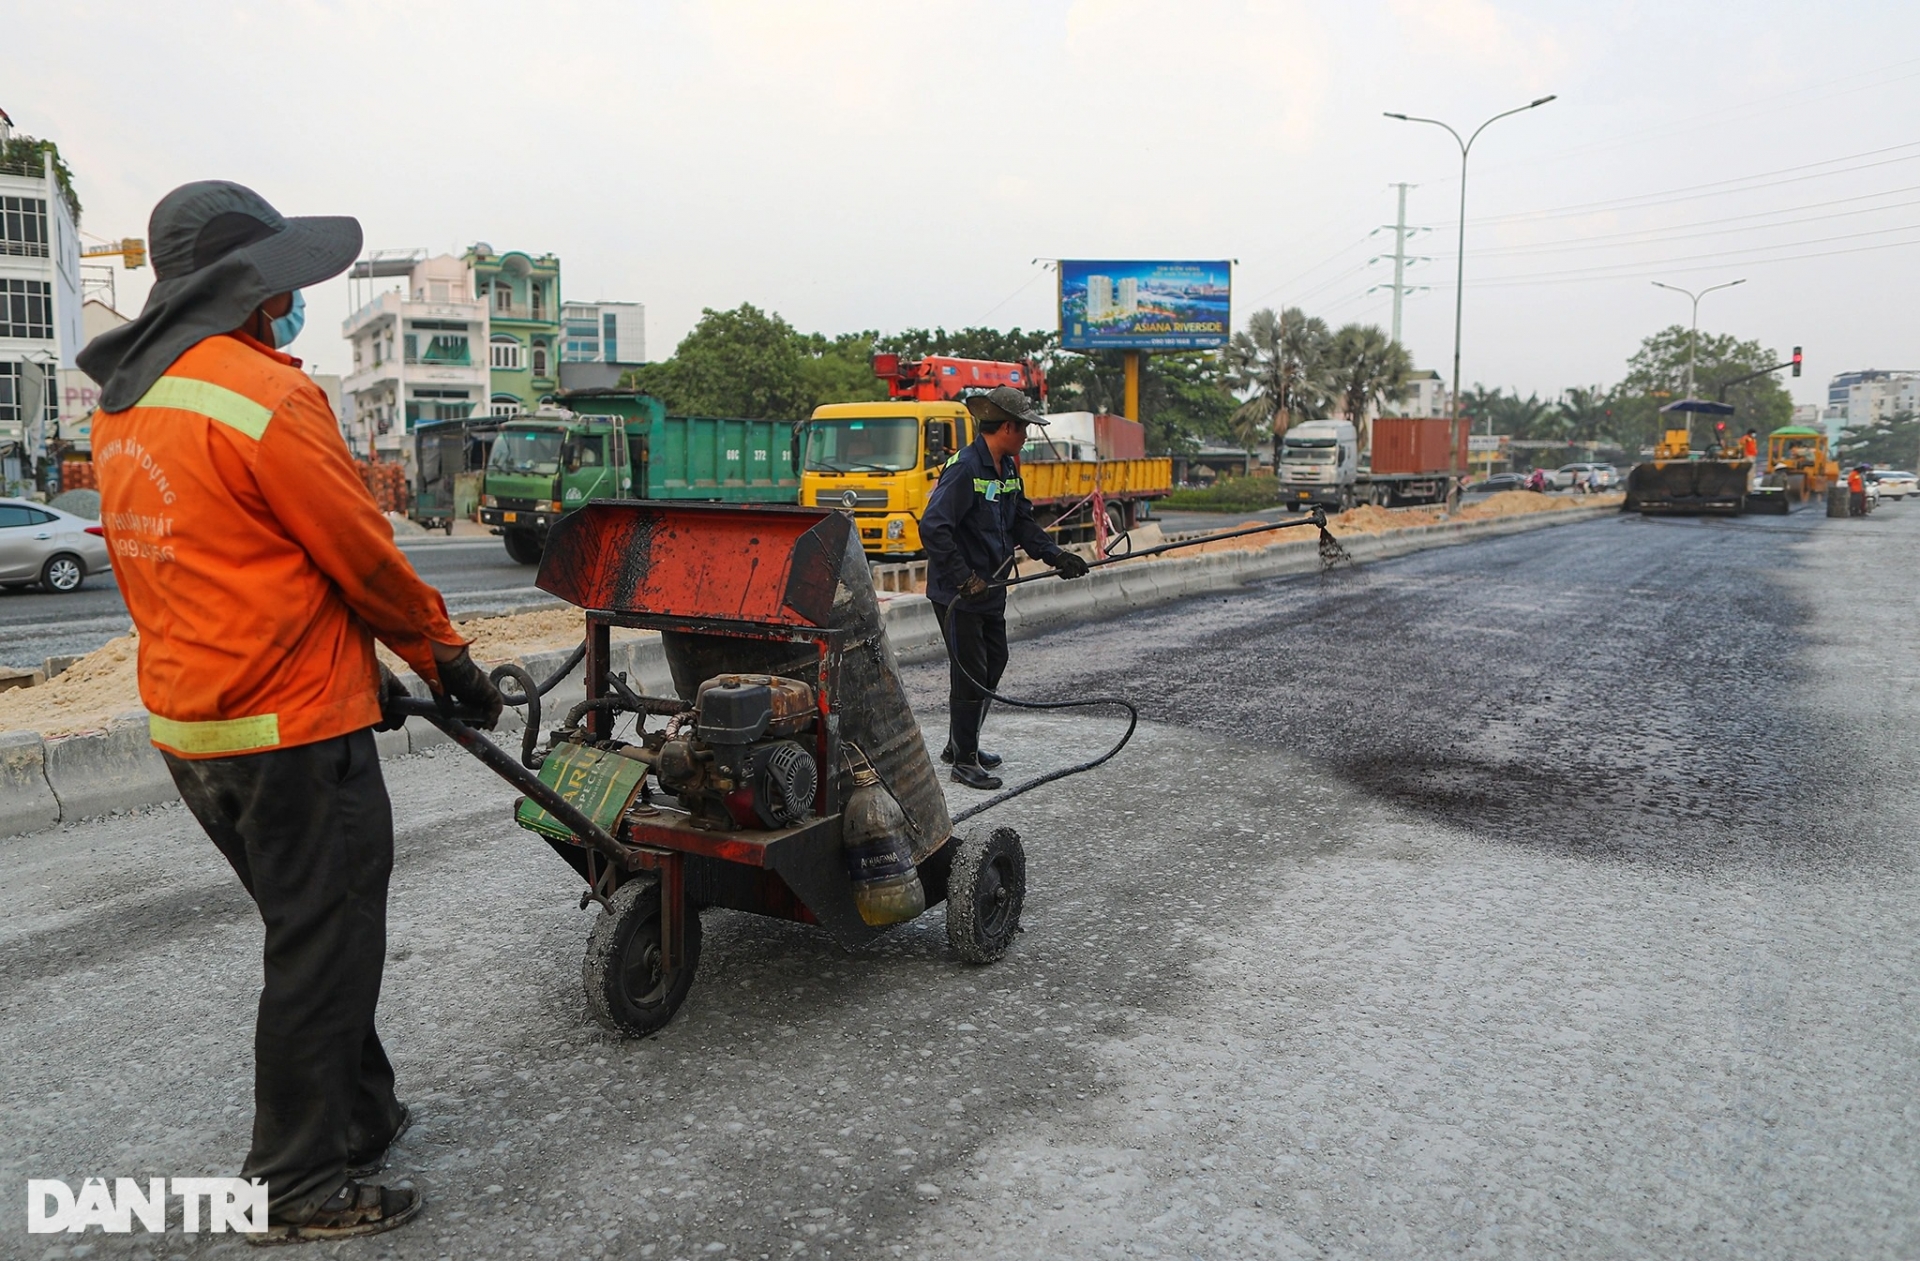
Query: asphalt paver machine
(785, 776)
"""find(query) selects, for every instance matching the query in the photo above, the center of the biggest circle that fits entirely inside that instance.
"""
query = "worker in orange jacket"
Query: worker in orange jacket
(259, 572)
(1856, 492)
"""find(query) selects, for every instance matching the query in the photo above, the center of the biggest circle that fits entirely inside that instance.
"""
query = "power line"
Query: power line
(1655, 236)
(1715, 188)
(1667, 267)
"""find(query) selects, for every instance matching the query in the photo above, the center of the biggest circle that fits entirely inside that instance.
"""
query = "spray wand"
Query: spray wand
(1330, 550)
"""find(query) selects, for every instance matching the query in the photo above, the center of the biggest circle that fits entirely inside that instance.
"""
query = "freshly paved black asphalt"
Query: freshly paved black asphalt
(1628, 686)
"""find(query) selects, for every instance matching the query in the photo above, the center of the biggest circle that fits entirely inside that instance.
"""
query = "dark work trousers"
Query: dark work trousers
(977, 647)
(310, 832)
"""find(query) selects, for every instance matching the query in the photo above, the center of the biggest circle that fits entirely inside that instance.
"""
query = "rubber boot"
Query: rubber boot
(987, 759)
(973, 775)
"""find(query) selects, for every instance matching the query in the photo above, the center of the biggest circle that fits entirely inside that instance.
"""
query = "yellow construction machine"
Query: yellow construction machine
(1678, 480)
(1799, 463)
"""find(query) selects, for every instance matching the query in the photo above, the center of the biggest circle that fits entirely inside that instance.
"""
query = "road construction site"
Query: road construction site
(1547, 895)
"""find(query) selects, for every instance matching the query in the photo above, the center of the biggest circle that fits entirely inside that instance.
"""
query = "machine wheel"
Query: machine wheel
(523, 546)
(985, 891)
(626, 988)
(62, 574)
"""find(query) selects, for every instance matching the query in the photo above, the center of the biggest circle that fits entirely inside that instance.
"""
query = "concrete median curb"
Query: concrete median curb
(48, 782)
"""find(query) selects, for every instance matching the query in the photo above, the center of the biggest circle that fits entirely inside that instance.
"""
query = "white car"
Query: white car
(1894, 483)
(45, 545)
(1600, 476)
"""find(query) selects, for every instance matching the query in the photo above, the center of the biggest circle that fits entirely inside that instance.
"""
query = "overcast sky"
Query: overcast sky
(862, 165)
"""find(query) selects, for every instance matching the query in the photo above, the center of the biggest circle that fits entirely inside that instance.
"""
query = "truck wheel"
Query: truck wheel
(627, 989)
(523, 546)
(985, 891)
(1116, 520)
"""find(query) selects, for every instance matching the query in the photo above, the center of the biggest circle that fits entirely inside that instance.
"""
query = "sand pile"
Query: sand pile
(83, 697)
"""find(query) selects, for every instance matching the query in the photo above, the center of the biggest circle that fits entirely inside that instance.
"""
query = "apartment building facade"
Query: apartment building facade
(418, 351)
(41, 329)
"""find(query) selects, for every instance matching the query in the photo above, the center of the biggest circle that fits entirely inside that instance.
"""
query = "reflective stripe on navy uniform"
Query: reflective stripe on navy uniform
(975, 518)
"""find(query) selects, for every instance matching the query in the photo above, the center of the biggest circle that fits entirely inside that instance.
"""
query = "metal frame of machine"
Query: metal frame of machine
(769, 595)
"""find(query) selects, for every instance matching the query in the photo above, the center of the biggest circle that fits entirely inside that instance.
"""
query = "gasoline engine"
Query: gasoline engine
(741, 766)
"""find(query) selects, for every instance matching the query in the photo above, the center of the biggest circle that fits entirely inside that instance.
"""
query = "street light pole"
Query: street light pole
(1693, 337)
(1460, 270)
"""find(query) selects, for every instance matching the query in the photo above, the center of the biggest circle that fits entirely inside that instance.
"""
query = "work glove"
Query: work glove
(975, 585)
(467, 684)
(1069, 564)
(391, 690)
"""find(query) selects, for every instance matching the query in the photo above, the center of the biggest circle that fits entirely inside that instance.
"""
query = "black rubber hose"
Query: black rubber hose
(566, 667)
(1133, 721)
(529, 696)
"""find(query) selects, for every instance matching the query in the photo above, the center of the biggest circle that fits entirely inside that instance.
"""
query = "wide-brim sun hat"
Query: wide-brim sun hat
(219, 250)
(211, 221)
(1003, 403)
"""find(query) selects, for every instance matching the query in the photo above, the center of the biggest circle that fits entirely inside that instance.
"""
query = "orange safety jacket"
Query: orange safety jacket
(255, 563)
(1856, 483)
(1749, 446)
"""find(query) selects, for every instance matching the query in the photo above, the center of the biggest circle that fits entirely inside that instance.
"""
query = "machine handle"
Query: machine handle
(455, 722)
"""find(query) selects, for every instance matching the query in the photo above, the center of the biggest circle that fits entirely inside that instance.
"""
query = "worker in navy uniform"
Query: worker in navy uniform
(974, 517)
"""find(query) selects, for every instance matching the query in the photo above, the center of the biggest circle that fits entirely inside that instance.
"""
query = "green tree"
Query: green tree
(743, 362)
(1891, 442)
(992, 344)
(1584, 414)
(1365, 368)
(1183, 395)
(1279, 363)
(1657, 374)
(33, 157)
(839, 369)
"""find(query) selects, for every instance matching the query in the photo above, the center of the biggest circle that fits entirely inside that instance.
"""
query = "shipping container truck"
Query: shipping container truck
(880, 461)
(1414, 460)
(620, 444)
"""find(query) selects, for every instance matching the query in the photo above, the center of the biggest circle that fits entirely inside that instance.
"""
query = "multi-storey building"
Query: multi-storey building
(601, 342)
(40, 320)
(1856, 400)
(522, 296)
(419, 352)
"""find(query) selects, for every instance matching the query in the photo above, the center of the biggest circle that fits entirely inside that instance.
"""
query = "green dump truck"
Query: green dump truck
(619, 444)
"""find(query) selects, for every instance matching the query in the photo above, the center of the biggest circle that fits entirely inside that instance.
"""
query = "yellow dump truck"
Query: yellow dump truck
(881, 460)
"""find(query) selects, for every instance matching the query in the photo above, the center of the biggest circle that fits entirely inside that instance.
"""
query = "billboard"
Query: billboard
(1106, 305)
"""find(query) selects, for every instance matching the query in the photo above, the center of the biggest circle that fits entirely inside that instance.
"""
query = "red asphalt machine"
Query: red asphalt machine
(786, 776)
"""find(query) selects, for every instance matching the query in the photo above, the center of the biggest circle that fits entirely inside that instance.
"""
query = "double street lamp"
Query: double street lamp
(1693, 337)
(1460, 273)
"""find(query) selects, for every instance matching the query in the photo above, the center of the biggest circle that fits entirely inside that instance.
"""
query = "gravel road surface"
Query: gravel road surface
(1552, 896)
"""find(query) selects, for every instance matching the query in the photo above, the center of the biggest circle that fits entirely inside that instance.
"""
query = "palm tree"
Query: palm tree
(1281, 361)
(1584, 413)
(1366, 368)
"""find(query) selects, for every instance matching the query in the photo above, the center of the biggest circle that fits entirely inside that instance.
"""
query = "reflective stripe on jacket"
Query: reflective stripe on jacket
(256, 566)
(974, 518)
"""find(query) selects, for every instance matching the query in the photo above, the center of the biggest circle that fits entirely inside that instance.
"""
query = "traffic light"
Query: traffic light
(1796, 361)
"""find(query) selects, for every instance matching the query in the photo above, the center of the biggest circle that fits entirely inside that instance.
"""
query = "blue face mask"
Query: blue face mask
(288, 326)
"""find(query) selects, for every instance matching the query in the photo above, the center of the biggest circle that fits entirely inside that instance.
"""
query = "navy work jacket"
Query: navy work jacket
(974, 518)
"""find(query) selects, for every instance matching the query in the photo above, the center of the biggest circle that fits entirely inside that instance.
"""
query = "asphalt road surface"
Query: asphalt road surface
(473, 573)
(1551, 896)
